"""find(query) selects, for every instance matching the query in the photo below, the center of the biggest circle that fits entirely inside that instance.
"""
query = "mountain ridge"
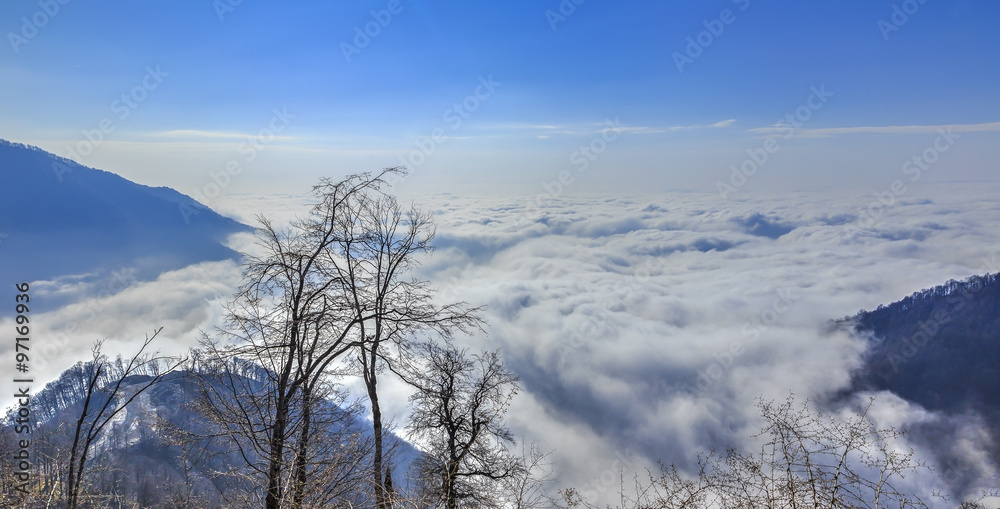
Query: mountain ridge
(914, 338)
(62, 218)
(939, 349)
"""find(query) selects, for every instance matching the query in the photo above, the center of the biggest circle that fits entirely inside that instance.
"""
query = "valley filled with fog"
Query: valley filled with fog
(644, 328)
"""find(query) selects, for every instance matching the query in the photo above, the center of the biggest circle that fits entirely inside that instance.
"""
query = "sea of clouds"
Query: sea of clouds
(643, 328)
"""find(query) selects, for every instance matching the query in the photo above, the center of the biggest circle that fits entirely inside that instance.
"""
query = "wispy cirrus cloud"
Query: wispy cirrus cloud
(724, 123)
(891, 129)
(718, 125)
(677, 128)
(211, 135)
(589, 129)
(545, 130)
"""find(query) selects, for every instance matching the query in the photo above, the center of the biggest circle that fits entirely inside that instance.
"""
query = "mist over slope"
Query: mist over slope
(60, 218)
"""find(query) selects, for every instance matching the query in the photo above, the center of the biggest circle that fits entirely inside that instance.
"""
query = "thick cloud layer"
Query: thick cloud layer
(647, 327)
(121, 310)
(644, 328)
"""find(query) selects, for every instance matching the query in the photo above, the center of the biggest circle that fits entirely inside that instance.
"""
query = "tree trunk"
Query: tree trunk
(298, 494)
(273, 499)
(281, 409)
(75, 473)
(277, 446)
(450, 489)
(390, 492)
(380, 500)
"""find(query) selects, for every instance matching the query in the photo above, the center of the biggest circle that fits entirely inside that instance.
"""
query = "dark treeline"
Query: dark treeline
(938, 347)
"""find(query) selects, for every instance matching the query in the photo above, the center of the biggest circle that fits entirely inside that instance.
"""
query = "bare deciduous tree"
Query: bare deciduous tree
(458, 415)
(289, 317)
(332, 283)
(807, 460)
(105, 398)
(526, 487)
(377, 244)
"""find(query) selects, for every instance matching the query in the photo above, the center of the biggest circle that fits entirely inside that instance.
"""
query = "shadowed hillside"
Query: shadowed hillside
(163, 451)
(60, 218)
(940, 348)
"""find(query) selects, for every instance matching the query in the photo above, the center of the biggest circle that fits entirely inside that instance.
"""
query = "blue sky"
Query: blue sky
(860, 99)
(220, 72)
